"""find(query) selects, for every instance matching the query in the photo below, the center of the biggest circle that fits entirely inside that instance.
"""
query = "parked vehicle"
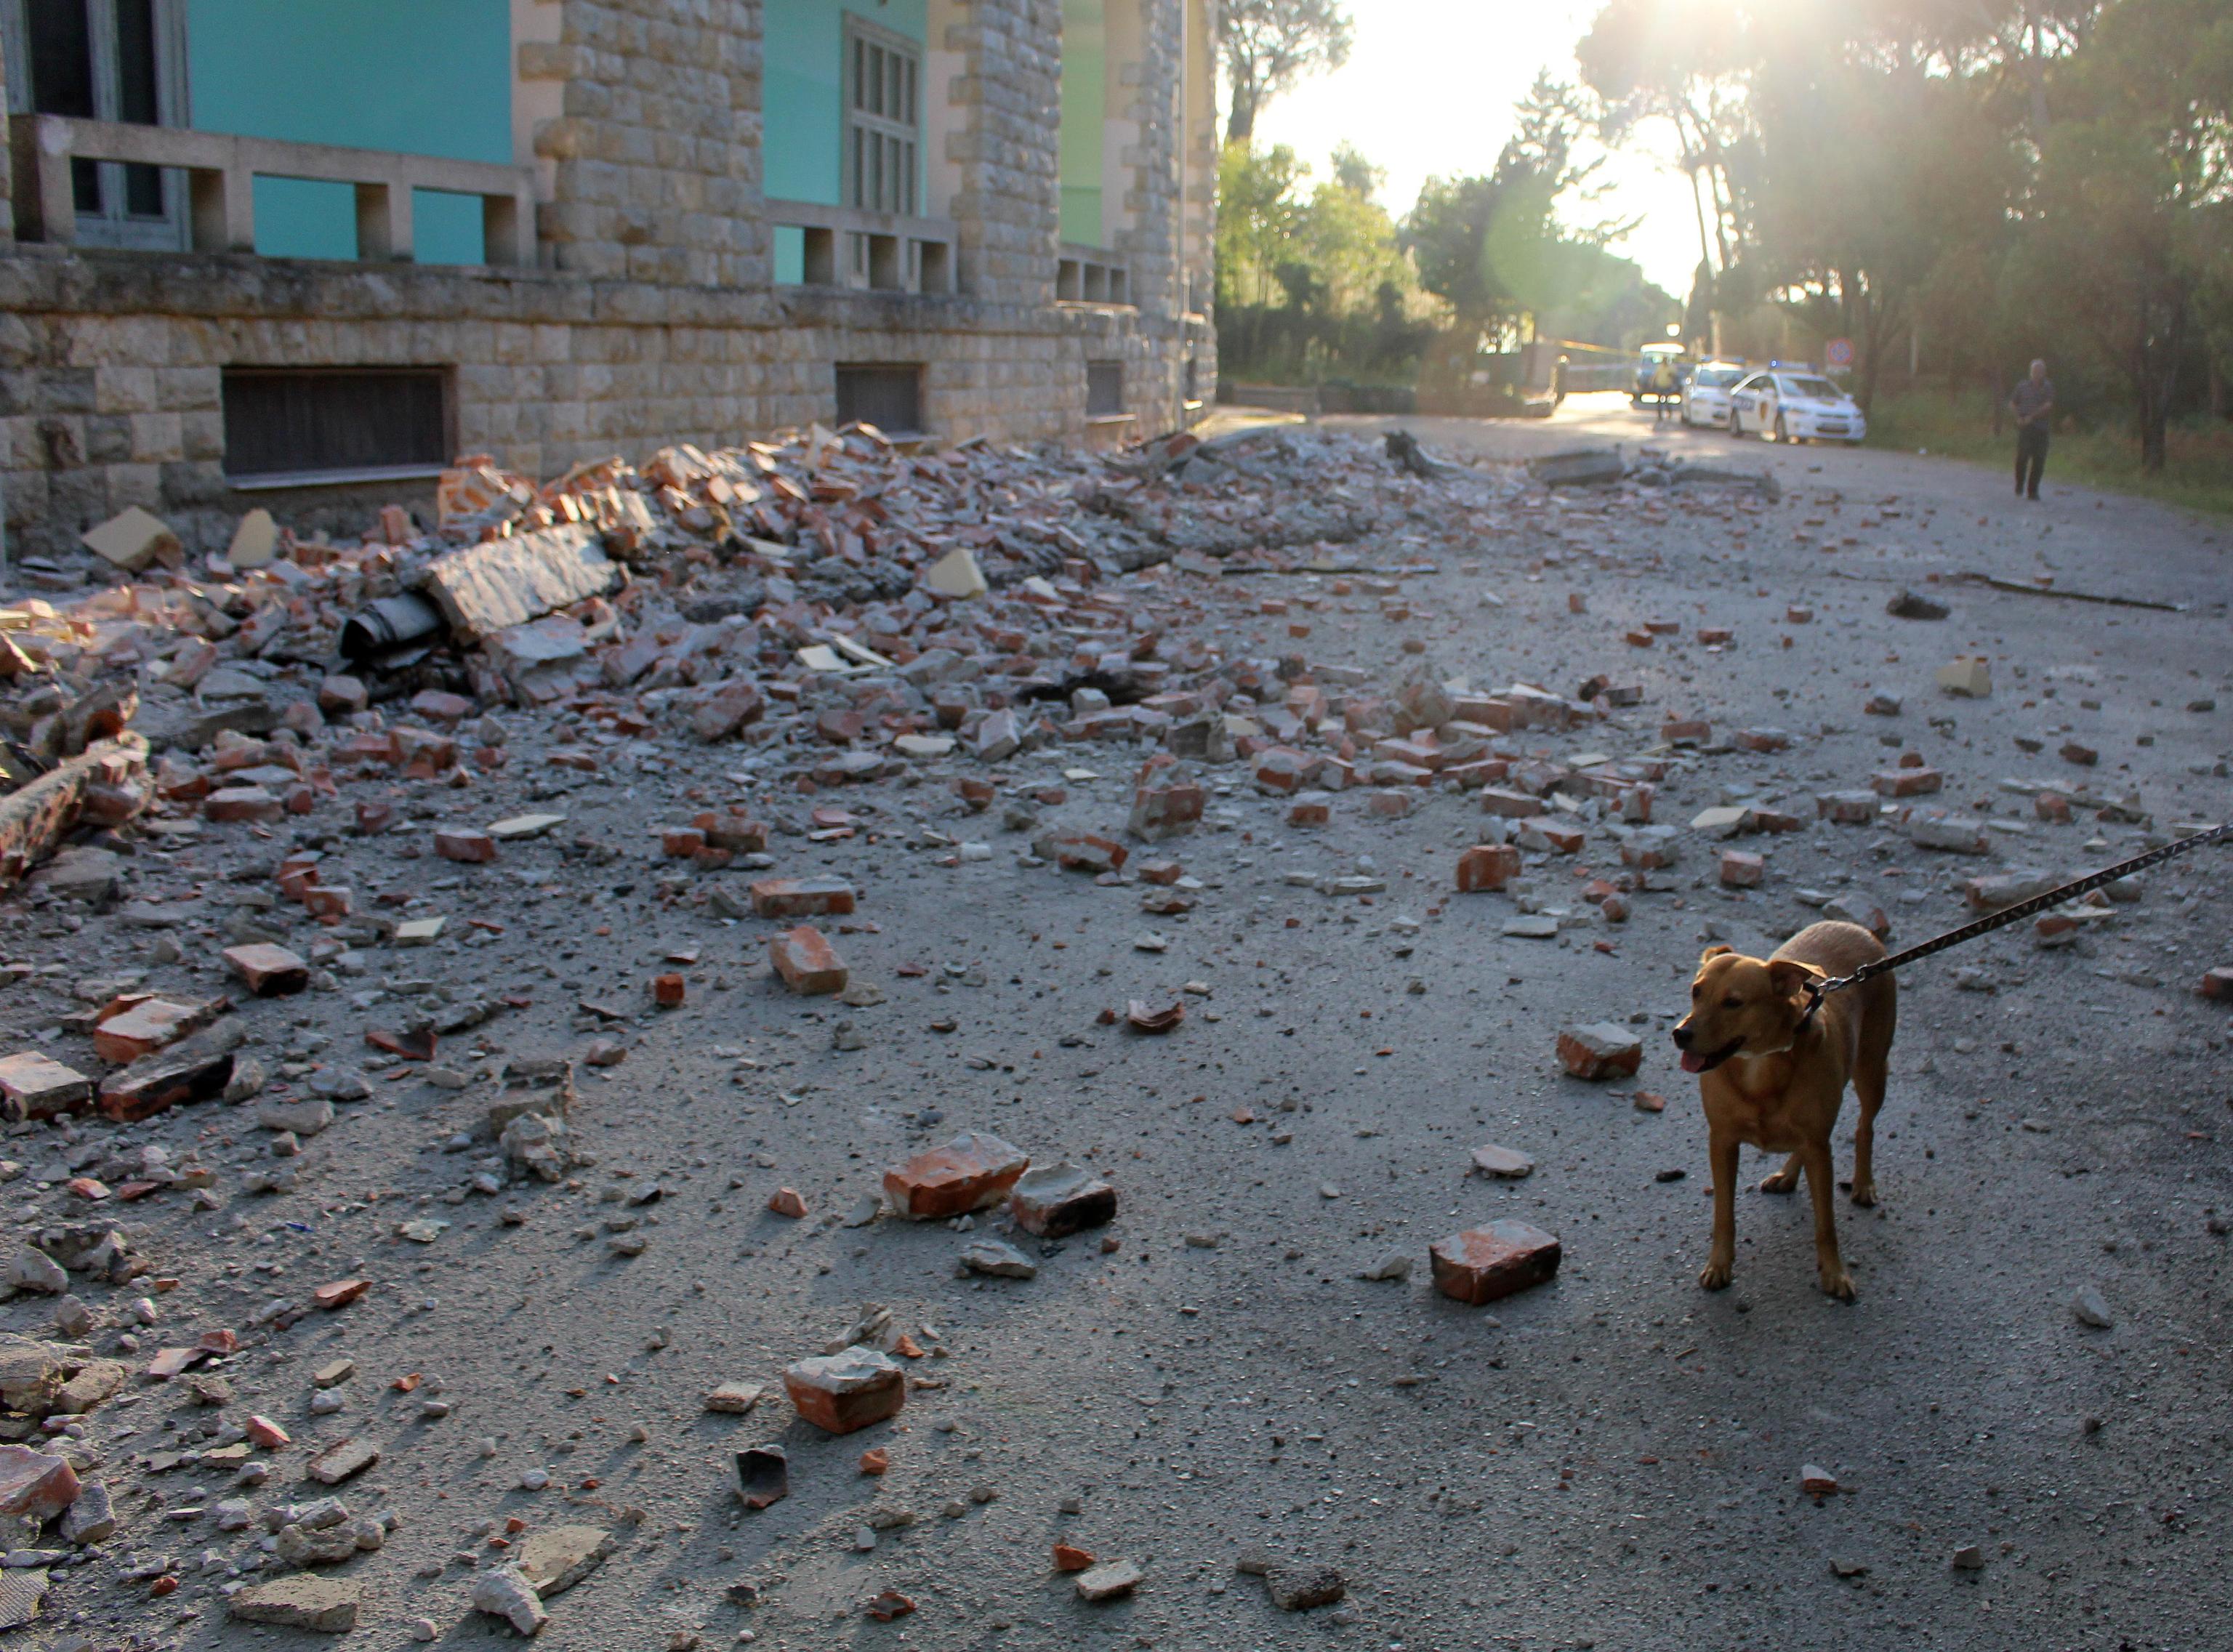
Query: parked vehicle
(1646, 389)
(1705, 397)
(1795, 404)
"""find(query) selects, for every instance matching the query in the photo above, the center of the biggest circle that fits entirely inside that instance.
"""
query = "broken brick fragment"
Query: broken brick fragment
(2218, 983)
(34, 1086)
(268, 971)
(34, 1486)
(262, 1431)
(972, 1172)
(1741, 871)
(141, 1026)
(668, 990)
(1600, 1050)
(473, 848)
(806, 961)
(1905, 782)
(802, 897)
(251, 804)
(1060, 1200)
(785, 1202)
(848, 1390)
(1481, 1265)
(340, 1293)
(1069, 1557)
(1487, 868)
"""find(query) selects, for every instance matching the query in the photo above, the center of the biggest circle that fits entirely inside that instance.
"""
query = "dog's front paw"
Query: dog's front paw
(1864, 1194)
(1715, 1276)
(1838, 1284)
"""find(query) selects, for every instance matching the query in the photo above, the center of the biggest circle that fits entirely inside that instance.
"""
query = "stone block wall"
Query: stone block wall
(655, 319)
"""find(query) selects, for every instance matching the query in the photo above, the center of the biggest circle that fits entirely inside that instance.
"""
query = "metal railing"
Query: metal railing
(221, 170)
(847, 246)
(1090, 276)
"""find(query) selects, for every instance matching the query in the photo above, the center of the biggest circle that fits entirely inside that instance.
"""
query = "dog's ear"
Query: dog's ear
(1787, 977)
(1712, 952)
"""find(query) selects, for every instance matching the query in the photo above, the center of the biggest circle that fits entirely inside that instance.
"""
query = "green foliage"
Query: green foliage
(2011, 177)
(1268, 45)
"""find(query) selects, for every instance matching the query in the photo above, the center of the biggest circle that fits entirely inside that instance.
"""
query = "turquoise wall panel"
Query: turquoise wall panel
(426, 77)
(802, 46)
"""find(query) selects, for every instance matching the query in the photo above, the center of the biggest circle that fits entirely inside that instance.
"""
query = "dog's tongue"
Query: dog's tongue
(1693, 1062)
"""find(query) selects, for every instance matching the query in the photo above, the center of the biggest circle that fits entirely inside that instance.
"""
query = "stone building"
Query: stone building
(298, 253)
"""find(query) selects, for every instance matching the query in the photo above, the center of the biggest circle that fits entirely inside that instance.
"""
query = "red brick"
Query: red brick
(840, 1392)
(1069, 1557)
(340, 1293)
(243, 804)
(1905, 782)
(1678, 730)
(1798, 616)
(341, 694)
(738, 833)
(1741, 871)
(1638, 638)
(1281, 769)
(786, 1201)
(1760, 739)
(374, 815)
(1487, 868)
(262, 1431)
(1563, 840)
(474, 848)
(34, 1486)
(2052, 806)
(1714, 636)
(437, 708)
(802, 897)
(1482, 1264)
(1161, 872)
(974, 1171)
(668, 990)
(269, 972)
(1513, 805)
(2084, 756)
(1390, 805)
(322, 901)
(143, 1026)
(680, 842)
(2218, 983)
(805, 960)
(1600, 1050)
(1087, 852)
(34, 1086)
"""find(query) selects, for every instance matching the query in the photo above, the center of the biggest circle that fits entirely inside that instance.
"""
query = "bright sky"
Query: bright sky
(1429, 88)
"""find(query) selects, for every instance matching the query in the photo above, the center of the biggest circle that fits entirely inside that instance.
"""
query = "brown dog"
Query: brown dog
(1765, 1081)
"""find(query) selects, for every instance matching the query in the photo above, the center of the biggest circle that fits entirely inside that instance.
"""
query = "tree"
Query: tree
(2127, 234)
(1494, 247)
(1269, 45)
(1872, 167)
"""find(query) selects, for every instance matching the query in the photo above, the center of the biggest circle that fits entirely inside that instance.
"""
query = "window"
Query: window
(1105, 389)
(292, 426)
(888, 396)
(883, 74)
(106, 60)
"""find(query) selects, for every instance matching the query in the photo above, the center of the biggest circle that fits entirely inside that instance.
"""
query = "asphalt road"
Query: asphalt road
(1612, 1461)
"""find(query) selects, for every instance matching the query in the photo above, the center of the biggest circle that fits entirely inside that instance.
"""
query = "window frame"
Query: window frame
(862, 37)
(114, 226)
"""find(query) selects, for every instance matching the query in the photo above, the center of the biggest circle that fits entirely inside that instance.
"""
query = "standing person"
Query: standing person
(1664, 387)
(2033, 405)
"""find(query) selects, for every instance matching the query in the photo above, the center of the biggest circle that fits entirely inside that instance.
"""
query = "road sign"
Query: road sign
(1838, 353)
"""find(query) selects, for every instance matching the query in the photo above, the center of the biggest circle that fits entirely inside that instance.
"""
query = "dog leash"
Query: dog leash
(1817, 990)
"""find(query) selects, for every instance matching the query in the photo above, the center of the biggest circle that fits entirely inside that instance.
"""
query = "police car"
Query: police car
(1795, 404)
(1706, 398)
